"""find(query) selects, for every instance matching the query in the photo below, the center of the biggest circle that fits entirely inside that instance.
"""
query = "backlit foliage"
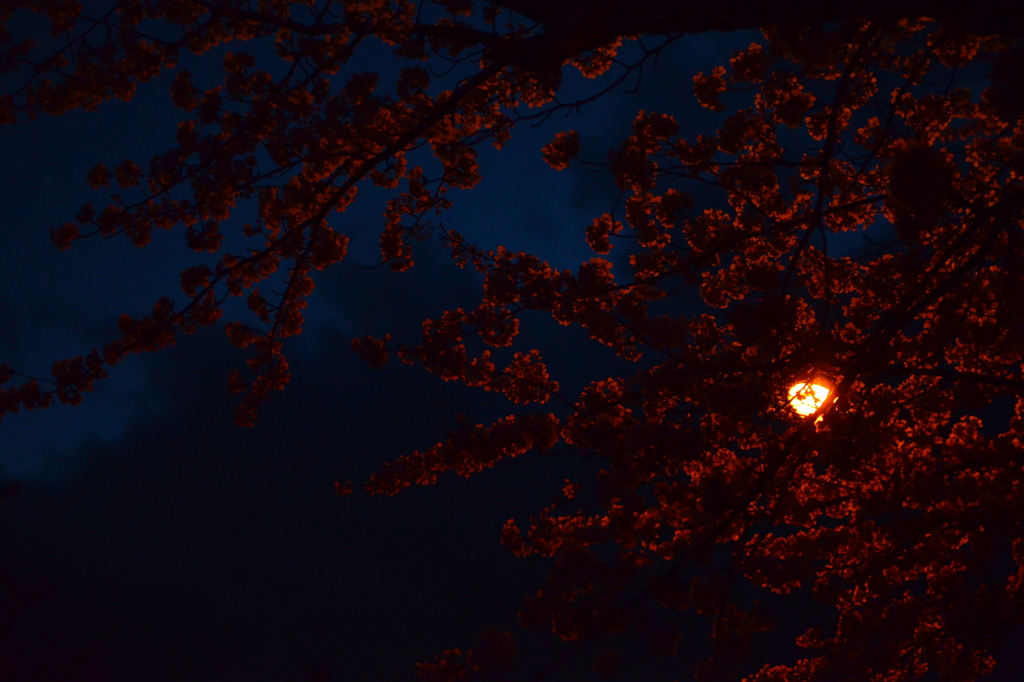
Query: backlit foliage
(901, 510)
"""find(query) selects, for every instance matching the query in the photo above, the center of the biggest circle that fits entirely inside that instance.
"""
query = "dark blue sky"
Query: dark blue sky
(191, 549)
(188, 548)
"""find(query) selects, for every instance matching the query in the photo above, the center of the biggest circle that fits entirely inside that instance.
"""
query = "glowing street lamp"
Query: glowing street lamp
(806, 397)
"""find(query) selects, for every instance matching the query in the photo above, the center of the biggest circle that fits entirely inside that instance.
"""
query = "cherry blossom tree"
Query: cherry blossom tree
(892, 499)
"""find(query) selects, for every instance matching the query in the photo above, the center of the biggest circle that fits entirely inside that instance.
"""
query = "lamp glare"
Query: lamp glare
(805, 398)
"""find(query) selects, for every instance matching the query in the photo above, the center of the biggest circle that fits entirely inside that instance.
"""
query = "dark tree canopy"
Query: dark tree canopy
(608, 19)
(896, 499)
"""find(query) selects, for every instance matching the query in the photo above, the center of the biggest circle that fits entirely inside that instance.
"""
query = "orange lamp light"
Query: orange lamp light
(806, 397)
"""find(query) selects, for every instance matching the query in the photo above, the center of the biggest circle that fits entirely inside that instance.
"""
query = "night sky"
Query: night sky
(183, 547)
